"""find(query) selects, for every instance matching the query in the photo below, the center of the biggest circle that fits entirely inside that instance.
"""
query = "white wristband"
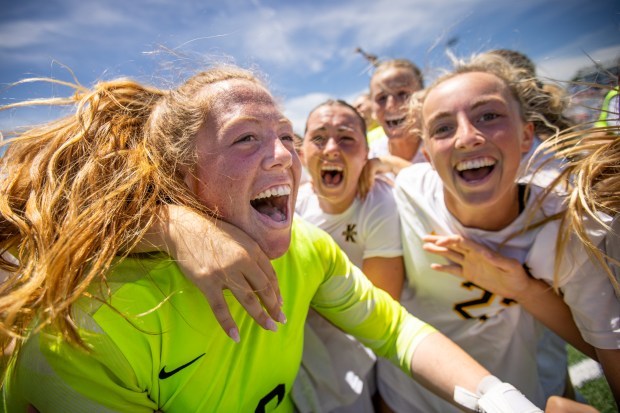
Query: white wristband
(494, 396)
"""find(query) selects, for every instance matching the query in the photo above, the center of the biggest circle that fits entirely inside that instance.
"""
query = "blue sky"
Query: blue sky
(305, 49)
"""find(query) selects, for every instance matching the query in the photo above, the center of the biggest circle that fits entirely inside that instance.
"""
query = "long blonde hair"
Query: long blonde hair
(79, 191)
(591, 177)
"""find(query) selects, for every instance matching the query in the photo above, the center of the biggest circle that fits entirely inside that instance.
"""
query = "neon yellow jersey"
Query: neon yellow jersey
(155, 344)
(606, 111)
(375, 134)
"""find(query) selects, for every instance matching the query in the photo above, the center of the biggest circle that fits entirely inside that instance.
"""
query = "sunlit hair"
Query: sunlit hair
(553, 113)
(339, 102)
(400, 64)
(79, 191)
(535, 104)
(591, 177)
(413, 121)
(518, 60)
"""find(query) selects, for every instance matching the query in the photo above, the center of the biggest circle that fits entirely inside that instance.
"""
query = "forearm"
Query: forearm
(168, 227)
(545, 305)
(386, 273)
(610, 361)
(394, 164)
(440, 365)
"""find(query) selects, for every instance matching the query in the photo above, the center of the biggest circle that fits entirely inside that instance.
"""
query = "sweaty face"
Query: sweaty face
(390, 91)
(335, 152)
(475, 136)
(247, 168)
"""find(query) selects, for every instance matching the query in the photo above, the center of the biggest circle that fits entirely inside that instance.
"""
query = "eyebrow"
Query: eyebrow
(480, 102)
(233, 122)
(339, 128)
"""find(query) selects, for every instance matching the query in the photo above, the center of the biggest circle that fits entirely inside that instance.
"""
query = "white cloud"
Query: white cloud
(298, 108)
(563, 68)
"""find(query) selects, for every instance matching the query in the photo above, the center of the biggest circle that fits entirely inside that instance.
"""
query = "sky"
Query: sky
(304, 50)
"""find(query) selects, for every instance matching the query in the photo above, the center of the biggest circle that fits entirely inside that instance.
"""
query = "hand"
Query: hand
(217, 256)
(478, 264)
(367, 176)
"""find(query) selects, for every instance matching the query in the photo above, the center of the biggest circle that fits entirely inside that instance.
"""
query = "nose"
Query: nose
(331, 150)
(467, 135)
(281, 156)
(391, 102)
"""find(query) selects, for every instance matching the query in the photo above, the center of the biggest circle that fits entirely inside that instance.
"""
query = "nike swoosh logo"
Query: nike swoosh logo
(163, 374)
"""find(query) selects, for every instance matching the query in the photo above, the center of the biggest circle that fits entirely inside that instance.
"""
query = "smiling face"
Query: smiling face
(474, 137)
(335, 151)
(390, 91)
(247, 169)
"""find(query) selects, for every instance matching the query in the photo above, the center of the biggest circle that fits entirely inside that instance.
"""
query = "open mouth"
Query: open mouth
(332, 175)
(475, 169)
(394, 123)
(273, 202)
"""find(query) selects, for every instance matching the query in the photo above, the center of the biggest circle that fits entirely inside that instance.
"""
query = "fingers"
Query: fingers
(450, 269)
(267, 291)
(365, 182)
(444, 252)
(249, 300)
(219, 306)
(264, 266)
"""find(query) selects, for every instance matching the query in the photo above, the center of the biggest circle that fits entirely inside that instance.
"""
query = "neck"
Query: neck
(404, 148)
(488, 217)
(335, 207)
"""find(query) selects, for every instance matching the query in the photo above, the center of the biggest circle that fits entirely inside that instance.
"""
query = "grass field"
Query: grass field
(595, 390)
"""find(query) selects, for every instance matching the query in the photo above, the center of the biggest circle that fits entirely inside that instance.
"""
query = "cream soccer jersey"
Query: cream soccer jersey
(496, 331)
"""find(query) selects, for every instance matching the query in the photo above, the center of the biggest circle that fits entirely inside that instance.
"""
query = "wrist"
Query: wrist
(530, 289)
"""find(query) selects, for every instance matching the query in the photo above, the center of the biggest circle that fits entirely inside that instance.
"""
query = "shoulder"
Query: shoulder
(381, 190)
(308, 237)
(417, 177)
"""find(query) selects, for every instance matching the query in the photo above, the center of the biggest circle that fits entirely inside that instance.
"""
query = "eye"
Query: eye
(318, 140)
(403, 95)
(246, 138)
(381, 99)
(287, 138)
(440, 131)
(489, 116)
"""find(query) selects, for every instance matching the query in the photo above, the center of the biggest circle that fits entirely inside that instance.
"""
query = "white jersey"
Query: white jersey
(496, 331)
(366, 229)
(336, 369)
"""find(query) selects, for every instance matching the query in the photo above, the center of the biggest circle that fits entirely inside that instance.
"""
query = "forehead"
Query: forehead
(468, 88)
(334, 115)
(230, 98)
(393, 78)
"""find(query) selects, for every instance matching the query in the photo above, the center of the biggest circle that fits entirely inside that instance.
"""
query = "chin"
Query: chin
(275, 248)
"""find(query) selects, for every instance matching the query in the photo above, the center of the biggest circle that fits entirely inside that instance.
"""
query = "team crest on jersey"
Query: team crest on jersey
(350, 233)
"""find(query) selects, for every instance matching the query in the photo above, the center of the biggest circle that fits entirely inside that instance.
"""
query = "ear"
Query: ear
(528, 137)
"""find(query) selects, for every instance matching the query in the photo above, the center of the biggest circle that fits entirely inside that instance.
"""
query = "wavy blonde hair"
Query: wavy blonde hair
(79, 191)
(590, 176)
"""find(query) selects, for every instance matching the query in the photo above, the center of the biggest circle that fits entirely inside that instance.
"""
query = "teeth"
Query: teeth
(279, 190)
(332, 168)
(474, 164)
(394, 122)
